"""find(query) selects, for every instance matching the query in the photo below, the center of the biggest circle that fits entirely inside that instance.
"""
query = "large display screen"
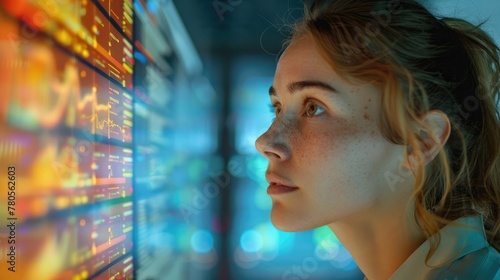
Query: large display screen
(66, 136)
(101, 144)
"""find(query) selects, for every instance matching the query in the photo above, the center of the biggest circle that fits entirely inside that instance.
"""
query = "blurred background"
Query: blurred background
(131, 125)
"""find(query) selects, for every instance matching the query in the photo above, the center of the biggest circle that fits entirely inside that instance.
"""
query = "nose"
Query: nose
(272, 145)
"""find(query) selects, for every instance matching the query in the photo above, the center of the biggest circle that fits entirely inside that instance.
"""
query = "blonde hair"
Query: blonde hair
(423, 63)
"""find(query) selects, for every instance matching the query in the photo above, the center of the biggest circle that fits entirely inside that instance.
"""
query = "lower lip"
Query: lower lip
(279, 189)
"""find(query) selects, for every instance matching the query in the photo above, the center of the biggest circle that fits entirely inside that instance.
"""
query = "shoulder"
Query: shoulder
(462, 253)
(481, 264)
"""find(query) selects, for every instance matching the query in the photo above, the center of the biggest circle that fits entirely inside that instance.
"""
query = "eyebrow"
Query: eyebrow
(292, 87)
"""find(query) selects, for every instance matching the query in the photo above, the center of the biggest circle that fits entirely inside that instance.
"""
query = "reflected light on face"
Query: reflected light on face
(325, 140)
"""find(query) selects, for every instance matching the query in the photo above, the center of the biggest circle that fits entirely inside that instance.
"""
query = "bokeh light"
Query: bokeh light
(202, 241)
(251, 241)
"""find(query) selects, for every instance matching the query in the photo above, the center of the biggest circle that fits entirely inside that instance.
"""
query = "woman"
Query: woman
(387, 130)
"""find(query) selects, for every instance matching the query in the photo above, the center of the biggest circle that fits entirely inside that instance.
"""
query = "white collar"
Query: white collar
(461, 237)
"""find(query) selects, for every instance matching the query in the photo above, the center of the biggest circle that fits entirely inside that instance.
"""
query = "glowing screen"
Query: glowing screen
(66, 136)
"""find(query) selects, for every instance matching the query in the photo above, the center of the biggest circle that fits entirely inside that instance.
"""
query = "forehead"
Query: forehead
(302, 60)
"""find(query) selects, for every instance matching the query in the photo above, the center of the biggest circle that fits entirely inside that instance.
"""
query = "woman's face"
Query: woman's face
(325, 141)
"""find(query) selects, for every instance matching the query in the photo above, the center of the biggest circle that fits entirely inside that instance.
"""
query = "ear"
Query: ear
(430, 141)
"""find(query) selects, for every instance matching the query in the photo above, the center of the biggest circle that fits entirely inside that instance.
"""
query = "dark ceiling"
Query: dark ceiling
(238, 26)
(241, 26)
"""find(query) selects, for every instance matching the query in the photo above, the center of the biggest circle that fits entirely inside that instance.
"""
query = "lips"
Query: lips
(279, 189)
(278, 185)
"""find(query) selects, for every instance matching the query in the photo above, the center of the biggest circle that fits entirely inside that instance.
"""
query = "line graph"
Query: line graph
(108, 115)
(100, 124)
(73, 95)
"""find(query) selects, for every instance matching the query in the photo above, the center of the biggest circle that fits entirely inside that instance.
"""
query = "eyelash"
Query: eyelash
(307, 101)
(272, 108)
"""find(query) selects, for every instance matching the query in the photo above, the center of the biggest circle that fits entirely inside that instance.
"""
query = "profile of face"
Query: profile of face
(326, 143)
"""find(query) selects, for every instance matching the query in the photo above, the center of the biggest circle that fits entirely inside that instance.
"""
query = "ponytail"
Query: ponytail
(483, 164)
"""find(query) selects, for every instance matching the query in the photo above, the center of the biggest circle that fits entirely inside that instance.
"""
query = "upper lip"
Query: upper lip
(278, 180)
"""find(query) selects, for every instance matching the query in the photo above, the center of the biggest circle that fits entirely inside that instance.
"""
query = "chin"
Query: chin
(285, 227)
(288, 222)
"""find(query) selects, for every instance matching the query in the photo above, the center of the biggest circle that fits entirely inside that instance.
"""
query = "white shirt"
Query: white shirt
(463, 254)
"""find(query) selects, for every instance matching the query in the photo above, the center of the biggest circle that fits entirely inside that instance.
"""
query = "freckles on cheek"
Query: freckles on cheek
(322, 145)
(370, 125)
(306, 147)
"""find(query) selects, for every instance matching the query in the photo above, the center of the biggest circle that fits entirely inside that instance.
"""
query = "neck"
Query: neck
(379, 241)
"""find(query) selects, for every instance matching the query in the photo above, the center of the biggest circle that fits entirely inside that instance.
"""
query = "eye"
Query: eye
(313, 109)
(275, 108)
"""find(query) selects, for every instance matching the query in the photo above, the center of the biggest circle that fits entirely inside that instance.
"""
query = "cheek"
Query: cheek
(320, 144)
(348, 151)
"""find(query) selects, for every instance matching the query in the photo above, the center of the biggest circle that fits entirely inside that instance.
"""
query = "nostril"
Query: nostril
(271, 155)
